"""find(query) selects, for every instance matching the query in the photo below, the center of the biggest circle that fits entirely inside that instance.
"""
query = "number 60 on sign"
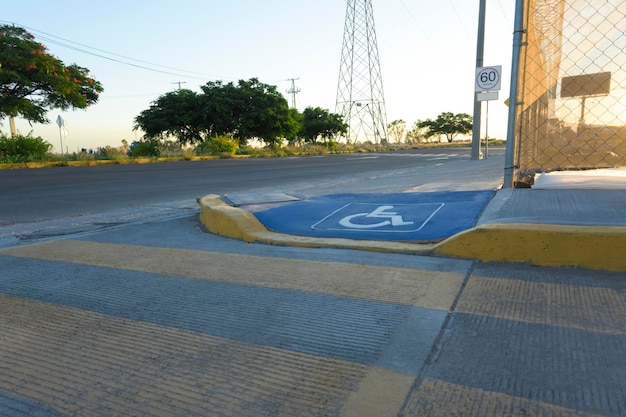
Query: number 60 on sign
(488, 78)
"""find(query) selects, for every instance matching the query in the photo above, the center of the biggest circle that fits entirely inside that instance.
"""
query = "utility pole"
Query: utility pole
(179, 83)
(360, 98)
(480, 50)
(293, 91)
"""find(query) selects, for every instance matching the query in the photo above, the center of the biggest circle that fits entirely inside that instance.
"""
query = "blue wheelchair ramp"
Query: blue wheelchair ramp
(410, 217)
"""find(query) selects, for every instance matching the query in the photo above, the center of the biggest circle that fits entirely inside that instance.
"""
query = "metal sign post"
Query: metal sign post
(488, 96)
(488, 81)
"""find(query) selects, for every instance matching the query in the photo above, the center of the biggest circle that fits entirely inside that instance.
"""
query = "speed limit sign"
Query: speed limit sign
(488, 78)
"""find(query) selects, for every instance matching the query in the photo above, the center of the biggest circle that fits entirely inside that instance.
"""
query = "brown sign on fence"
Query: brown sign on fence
(598, 84)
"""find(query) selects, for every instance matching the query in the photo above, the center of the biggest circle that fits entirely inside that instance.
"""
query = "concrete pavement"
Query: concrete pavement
(554, 227)
(163, 319)
(159, 318)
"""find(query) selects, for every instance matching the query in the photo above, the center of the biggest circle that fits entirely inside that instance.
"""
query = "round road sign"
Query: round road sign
(488, 78)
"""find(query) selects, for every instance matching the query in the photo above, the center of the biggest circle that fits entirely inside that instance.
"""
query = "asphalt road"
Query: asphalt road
(34, 195)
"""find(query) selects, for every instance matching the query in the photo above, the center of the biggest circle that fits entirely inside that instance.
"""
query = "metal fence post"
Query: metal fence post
(509, 156)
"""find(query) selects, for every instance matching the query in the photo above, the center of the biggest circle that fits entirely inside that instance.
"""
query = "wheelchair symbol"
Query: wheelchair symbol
(393, 219)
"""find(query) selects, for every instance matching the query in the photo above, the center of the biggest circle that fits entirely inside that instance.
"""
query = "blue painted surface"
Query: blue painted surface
(417, 217)
(16, 406)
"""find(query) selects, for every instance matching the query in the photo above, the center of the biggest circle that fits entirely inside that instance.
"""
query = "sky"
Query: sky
(140, 50)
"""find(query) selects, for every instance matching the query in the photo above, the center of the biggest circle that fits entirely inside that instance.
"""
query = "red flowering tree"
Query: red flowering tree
(32, 81)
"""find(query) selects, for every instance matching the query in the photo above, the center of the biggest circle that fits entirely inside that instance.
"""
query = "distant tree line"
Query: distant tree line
(447, 124)
(242, 112)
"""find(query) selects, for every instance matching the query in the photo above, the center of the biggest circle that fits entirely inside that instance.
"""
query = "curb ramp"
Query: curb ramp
(593, 247)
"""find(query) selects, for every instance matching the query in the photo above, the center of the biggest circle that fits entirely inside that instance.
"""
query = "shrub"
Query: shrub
(83, 156)
(145, 148)
(110, 153)
(218, 145)
(20, 148)
(188, 154)
(170, 149)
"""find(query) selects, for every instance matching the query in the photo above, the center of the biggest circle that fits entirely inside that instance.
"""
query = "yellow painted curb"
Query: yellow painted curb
(594, 247)
(224, 220)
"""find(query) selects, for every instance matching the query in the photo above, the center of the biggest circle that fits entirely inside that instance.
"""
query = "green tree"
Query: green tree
(416, 134)
(448, 124)
(175, 114)
(32, 81)
(219, 109)
(244, 111)
(320, 123)
(253, 110)
(397, 130)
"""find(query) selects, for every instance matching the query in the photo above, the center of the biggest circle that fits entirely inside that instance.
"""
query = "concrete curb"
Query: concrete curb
(594, 247)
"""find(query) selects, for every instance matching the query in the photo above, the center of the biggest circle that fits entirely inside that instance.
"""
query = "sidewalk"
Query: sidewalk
(547, 227)
(163, 319)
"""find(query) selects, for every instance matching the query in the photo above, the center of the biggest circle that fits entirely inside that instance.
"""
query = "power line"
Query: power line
(56, 40)
(458, 16)
(504, 13)
(417, 23)
(441, 57)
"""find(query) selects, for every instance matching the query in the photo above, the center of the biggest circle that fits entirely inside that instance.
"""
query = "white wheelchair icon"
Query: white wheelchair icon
(360, 220)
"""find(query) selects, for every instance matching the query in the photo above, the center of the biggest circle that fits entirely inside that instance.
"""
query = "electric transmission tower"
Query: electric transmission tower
(360, 98)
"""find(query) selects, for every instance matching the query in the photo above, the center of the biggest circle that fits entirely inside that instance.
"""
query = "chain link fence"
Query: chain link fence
(571, 96)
